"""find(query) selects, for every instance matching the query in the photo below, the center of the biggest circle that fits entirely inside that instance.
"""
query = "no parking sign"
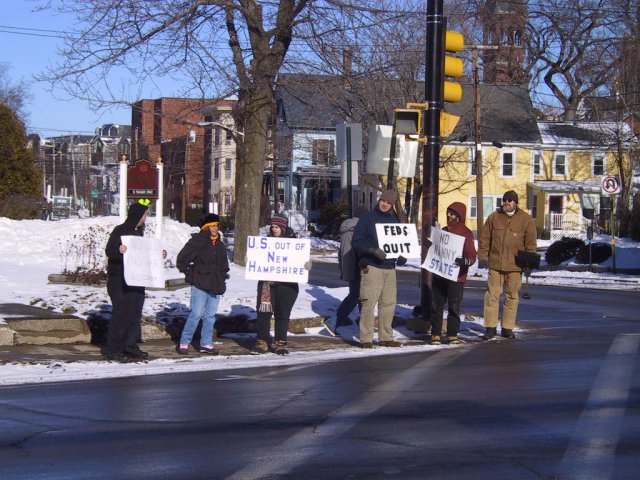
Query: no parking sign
(610, 185)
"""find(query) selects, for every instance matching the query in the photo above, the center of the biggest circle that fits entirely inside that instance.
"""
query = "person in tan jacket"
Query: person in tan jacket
(506, 231)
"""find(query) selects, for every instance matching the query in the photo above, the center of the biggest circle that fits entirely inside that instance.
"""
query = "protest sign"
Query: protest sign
(143, 262)
(445, 249)
(277, 259)
(398, 239)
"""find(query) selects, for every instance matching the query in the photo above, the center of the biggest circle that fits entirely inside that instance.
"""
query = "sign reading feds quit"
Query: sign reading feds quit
(441, 257)
(398, 239)
(277, 259)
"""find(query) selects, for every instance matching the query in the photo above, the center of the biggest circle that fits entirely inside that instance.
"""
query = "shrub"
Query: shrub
(563, 250)
(599, 253)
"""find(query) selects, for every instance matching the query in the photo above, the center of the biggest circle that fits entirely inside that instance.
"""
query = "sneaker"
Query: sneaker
(183, 349)
(453, 340)
(366, 344)
(330, 325)
(280, 348)
(489, 333)
(507, 333)
(435, 340)
(208, 349)
(134, 351)
(389, 343)
(259, 347)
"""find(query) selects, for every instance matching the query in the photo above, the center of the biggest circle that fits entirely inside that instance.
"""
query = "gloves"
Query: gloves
(400, 261)
(483, 264)
(307, 265)
(378, 253)
(428, 243)
(463, 262)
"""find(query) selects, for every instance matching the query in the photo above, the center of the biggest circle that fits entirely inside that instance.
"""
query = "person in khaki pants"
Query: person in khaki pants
(506, 231)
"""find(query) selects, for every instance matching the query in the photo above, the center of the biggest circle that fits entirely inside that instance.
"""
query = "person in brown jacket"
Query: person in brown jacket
(444, 290)
(506, 231)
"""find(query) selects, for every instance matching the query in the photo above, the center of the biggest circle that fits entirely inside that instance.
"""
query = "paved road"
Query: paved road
(559, 402)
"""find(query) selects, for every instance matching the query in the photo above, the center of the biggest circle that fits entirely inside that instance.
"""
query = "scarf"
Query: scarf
(265, 298)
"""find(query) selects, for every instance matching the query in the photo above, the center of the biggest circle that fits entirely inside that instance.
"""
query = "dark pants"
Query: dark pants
(124, 326)
(283, 296)
(349, 303)
(443, 290)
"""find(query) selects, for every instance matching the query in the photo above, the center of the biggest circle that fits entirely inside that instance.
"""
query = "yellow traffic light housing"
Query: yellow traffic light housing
(408, 121)
(453, 67)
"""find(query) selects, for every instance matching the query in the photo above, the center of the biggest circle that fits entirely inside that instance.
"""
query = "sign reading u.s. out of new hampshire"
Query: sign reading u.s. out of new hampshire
(398, 239)
(143, 262)
(441, 257)
(277, 259)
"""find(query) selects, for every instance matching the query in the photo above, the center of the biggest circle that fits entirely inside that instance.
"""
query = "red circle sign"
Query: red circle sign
(610, 185)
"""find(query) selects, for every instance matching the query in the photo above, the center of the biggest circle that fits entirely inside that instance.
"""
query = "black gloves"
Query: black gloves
(463, 262)
(428, 243)
(483, 264)
(378, 253)
(400, 261)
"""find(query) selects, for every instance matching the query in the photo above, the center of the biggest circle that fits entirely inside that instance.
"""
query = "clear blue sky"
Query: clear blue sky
(28, 52)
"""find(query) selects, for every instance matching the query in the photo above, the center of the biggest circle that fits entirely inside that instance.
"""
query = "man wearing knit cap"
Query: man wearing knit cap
(506, 231)
(377, 273)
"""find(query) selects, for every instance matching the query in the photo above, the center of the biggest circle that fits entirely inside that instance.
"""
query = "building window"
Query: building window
(216, 136)
(229, 137)
(508, 164)
(227, 168)
(537, 164)
(533, 208)
(281, 189)
(227, 204)
(560, 164)
(472, 162)
(323, 152)
(489, 205)
(216, 168)
(598, 165)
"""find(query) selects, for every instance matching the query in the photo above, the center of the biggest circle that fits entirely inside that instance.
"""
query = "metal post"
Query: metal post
(478, 151)
(160, 202)
(434, 99)
(349, 179)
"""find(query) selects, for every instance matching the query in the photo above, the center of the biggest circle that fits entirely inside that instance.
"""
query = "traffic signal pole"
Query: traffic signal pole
(431, 126)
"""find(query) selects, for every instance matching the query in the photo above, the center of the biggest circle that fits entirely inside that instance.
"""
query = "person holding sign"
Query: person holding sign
(203, 260)
(124, 327)
(505, 232)
(275, 299)
(377, 273)
(450, 291)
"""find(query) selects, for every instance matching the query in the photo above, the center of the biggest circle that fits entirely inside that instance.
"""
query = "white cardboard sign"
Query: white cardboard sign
(277, 259)
(441, 257)
(398, 239)
(143, 262)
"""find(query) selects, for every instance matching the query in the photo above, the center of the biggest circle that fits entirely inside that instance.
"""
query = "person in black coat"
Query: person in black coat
(124, 327)
(275, 298)
(204, 262)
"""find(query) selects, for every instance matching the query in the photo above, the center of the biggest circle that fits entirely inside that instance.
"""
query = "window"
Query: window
(489, 204)
(216, 168)
(227, 203)
(537, 164)
(560, 164)
(281, 188)
(508, 164)
(472, 162)
(227, 168)
(597, 164)
(323, 152)
(533, 208)
(229, 137)
(216, 136)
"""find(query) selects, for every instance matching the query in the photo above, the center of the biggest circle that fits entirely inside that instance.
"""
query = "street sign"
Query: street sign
(610, 185)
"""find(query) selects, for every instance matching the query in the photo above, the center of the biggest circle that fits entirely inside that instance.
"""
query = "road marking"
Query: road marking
(264, 376)
(310, 441)
(591, 452)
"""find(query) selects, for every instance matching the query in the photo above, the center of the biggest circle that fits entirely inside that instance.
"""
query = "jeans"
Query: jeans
(350, 302)
(203, 305)
(443, 290)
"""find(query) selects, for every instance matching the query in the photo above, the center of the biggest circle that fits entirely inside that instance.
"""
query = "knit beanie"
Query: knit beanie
(136, 211)
(280, 220)
(510, 195)
(389, 196)
(207, 219)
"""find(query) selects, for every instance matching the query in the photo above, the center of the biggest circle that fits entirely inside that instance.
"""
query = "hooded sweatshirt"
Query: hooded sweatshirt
(459, 228)
(115, 265)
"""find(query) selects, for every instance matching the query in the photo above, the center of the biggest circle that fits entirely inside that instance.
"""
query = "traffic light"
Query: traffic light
(453, 42)
(408, 121)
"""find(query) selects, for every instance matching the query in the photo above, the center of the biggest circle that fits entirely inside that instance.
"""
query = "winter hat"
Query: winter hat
(208, 220)
(136, 211)
(389, 196)
(510, 195)
(280, 220)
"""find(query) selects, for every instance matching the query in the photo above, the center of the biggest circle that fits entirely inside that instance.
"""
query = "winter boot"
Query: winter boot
(507, 333)
(260, 347)
(280, 348)
(435, 340)
(489, 333)
(454, 340)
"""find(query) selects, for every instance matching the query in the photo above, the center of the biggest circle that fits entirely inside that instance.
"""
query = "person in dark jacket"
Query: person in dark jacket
(377, 273)
(349, 271)
(204, 262)
(275, 299)
(445, 290)
(124, 327)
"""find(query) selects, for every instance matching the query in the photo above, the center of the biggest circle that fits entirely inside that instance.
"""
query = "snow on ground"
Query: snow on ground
(31, 250)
